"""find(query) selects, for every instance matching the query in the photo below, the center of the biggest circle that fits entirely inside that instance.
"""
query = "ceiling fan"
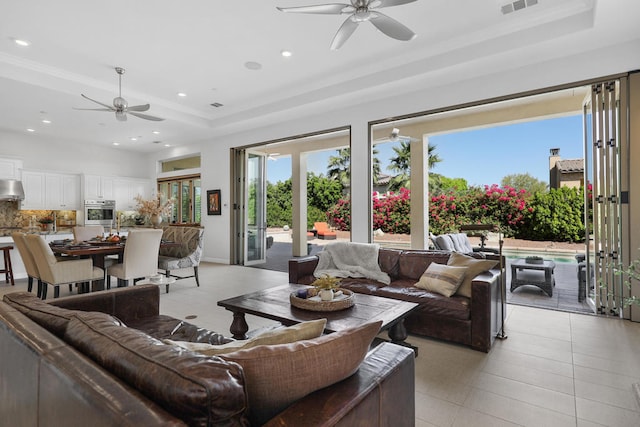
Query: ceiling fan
(395, 136)
(120, 105)
(360, 11)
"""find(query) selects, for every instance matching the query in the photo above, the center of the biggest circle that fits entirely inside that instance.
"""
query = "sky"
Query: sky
(482, 156)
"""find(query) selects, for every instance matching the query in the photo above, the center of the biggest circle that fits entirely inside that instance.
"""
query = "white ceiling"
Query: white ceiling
(200, 47)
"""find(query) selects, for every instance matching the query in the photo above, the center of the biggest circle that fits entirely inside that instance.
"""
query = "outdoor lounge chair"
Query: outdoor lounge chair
(322, 228)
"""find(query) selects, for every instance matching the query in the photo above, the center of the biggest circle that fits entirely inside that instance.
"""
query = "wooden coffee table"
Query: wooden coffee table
(273, 303)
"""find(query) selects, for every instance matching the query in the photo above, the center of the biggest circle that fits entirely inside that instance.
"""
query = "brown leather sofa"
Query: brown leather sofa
(470, 321)
(57, 371)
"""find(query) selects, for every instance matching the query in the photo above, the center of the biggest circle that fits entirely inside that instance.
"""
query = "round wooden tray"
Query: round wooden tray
(335, 305)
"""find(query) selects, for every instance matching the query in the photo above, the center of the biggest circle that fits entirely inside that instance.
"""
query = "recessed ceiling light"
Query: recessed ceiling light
(30, 130)
(286, 53)
(167, 145)
(46, 121)
(116, 143)
(253, 65)
(182, 94)
(21, 42)
(133, 138)
(155, 132)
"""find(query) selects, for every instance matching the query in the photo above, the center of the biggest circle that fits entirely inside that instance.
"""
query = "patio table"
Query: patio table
(526, 273)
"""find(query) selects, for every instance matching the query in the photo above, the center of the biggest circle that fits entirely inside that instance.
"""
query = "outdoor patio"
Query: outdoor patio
(565, 292)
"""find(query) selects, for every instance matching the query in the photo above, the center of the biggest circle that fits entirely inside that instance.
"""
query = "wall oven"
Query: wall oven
(99, 212)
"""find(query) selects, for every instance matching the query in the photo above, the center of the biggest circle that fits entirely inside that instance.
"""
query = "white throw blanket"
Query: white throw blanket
(346, 259)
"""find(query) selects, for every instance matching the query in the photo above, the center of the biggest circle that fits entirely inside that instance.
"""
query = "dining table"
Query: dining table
(98, 251)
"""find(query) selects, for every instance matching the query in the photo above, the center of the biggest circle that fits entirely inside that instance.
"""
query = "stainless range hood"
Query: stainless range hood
(10, 189)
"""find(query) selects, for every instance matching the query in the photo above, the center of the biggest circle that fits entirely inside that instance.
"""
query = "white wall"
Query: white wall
(42, 153)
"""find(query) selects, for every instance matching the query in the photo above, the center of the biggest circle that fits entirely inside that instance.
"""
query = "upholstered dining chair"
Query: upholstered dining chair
(186, 255)
(28, 261)
(54, 272)
(82, 233)
(140, 258)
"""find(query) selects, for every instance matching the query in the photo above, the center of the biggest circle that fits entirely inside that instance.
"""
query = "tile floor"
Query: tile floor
(554, 369)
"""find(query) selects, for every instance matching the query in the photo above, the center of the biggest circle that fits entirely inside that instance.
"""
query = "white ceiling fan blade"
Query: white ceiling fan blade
(93, 109)
(391, 27)
(322, 9)
(98, 102)
(388, 3)
(146, 116)
(344, 32)
(143, 107)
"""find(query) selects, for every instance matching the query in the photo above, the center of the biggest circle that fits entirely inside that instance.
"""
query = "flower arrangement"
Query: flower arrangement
(326, 282)
(153, 206)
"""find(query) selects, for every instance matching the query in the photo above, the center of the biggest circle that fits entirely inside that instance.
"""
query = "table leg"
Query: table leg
(98, 261)
(398, 334)
(239, 326)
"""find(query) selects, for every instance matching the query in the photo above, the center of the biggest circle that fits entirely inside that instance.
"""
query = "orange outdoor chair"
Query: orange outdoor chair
(323, 231)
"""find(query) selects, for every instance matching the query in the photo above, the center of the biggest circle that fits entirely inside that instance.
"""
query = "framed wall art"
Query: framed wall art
(213, 202)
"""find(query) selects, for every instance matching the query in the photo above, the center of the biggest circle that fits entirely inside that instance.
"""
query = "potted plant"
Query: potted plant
(326, 285)
(47, 222)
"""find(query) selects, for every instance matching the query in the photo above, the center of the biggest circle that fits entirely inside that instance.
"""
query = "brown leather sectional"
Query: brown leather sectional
(61, 366)
(470, 321)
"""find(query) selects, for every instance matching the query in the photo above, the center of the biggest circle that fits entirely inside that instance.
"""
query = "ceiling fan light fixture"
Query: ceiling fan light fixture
(21, 42)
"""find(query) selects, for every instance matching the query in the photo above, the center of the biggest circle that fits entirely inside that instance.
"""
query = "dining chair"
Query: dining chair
(82, 233)
(140, 258)
(55, 272)
(28, 261)
(186, 255)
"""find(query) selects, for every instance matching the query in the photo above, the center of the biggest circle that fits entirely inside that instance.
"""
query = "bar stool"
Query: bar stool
(7, 270)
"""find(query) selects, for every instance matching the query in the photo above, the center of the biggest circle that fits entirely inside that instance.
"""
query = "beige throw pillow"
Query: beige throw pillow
(442, 279)
(278, 375)
(298, 332)
(474, 267)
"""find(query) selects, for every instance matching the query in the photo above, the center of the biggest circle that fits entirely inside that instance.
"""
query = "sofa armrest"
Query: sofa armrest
(127, 304)
(301, 269)
(485, 300)
(380, 393)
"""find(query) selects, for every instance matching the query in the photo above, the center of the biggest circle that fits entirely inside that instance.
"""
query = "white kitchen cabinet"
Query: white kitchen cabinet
(34, 190)
(10, 168)
(126, 189)
(62, 192)
(96, 187)
(52, 191)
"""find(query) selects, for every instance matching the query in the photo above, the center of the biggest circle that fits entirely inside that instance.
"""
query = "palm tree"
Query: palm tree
(401, 164)
(375, 166)
(338, 167)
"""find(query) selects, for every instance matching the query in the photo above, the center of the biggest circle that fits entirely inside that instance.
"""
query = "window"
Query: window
(186, 193)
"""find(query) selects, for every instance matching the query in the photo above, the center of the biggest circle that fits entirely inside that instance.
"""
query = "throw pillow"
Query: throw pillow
(278, 375)
(442, 279)
(461, 243)
(299, 332)
(444, 243)
(474, 267)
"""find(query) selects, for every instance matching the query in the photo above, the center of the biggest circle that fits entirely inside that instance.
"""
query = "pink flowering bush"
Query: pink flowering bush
(339, 215)
(391, 212)
(553, 215)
